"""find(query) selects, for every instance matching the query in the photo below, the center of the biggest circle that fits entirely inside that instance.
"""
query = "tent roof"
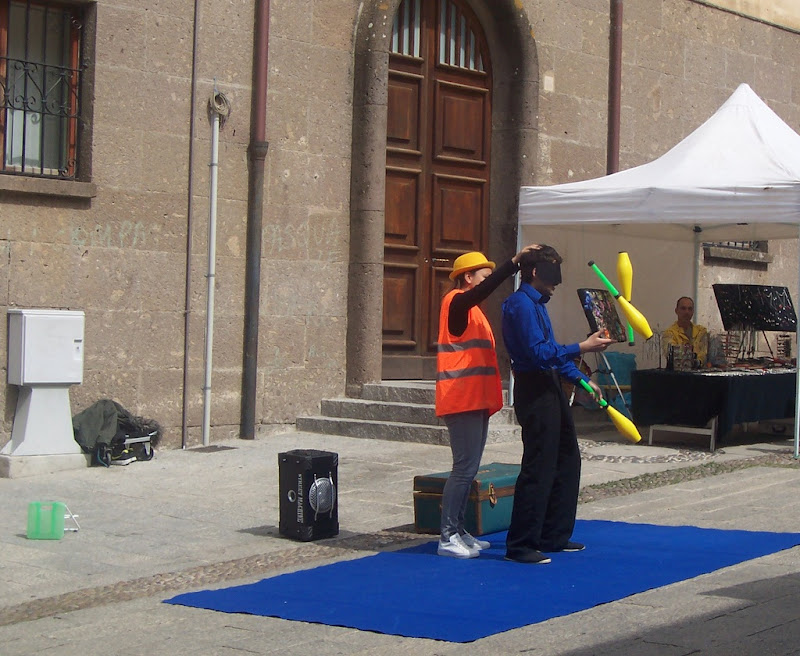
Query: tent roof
(742, 166)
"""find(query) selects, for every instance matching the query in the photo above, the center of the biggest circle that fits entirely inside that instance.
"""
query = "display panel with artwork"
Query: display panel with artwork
(601, 313)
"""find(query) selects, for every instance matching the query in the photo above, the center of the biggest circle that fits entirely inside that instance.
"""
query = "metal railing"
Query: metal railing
(39, 117)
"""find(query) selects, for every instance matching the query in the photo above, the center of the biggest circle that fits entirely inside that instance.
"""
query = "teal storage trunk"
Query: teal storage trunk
(491, 498)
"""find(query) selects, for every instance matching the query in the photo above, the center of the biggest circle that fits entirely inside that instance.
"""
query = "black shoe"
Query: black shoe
(574, 546)
(530, 557)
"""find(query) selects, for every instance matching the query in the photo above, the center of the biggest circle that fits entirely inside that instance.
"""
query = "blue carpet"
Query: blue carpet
(414, 592)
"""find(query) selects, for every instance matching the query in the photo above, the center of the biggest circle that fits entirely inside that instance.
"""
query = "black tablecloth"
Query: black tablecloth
(693, 398)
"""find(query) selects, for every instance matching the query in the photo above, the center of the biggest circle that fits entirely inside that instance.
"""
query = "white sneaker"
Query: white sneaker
(455, 548)
(474, 543)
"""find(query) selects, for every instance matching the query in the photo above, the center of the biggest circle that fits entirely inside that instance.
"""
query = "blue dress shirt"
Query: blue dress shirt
(528, 336)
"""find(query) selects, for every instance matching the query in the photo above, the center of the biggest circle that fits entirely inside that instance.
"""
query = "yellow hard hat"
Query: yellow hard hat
(469, 262)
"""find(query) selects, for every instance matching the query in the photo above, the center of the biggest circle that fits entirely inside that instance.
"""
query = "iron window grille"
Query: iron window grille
(741, 245)
(40, 73)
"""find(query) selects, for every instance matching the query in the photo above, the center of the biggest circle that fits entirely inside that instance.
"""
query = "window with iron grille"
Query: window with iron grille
(741, 245)
(40, 70)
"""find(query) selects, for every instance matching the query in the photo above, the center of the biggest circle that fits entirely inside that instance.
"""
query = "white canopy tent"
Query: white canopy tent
(736, 177)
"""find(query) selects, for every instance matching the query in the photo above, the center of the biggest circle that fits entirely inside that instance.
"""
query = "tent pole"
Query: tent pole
(516, 287)
(797, 381)
(696, 271)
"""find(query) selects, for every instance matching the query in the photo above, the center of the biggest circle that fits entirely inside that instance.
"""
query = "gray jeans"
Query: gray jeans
(468, 432)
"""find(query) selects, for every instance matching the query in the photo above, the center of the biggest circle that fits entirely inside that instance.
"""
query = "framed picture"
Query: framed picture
(601, 313)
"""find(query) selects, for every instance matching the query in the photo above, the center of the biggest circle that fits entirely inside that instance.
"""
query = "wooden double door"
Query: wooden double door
(437, 172)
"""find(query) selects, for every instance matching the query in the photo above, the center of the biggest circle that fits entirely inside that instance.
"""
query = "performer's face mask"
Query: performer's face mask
(549, 272)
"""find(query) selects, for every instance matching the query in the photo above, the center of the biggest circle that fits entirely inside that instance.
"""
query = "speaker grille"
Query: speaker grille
(322, 495)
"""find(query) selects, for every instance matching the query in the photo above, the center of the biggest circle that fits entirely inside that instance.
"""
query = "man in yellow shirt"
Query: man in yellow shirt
(684, 334)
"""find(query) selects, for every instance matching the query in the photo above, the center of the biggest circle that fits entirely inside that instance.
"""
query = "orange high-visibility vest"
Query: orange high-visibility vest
(467, 377)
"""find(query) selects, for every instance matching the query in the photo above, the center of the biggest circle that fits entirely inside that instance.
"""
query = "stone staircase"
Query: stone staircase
(401, 411)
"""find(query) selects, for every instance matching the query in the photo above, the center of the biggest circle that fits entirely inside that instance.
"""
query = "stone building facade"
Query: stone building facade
(121, 232)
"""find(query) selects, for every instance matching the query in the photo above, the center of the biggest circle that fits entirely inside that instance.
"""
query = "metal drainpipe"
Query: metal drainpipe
(189, 234)
(614, 85)
(257, 152)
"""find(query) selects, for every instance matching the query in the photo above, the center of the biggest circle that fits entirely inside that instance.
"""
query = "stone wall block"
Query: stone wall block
(771, 81)
(704, 63)
(285, 232)
(290, 179)
(118, 384)
(118, 157)
(131, 340)
(120, 39)
(169, 44)
(281, 342)
(595, 28)
(288, 393)
(5, 256)
(571, 161)
(288, 120)
(656, 50)
(150, 221)
(333, 23)
(225, 55)
(740, 67)
(231, 228)
(326, 137)
(288, 21)
(702, 23)
(303, 291)
(327, 177)
(229, 286)
(165, 161)
(56, 276)
(582, 75)
(324, 339)
(160, 397)
(234, 15)
(556, 26)
(311, 70)
(233, 177)
(645, 13)
(328, 235)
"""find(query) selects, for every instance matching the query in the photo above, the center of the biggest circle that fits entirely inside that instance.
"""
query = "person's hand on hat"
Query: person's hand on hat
(527, 249)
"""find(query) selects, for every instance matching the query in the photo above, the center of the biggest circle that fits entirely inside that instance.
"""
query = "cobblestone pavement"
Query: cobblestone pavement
(42, 595)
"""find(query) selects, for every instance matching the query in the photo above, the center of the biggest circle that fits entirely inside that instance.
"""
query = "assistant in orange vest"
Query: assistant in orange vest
(467, 375)
(468, 387)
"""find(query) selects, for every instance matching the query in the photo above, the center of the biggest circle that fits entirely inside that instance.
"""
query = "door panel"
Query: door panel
(459, 109)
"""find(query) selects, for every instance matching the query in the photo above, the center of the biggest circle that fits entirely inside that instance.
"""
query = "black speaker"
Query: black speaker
(308, 480)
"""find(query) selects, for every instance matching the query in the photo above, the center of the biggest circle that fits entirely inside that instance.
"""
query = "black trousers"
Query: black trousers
(546, 493)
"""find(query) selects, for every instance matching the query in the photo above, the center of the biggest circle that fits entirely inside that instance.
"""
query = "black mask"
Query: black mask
(549, 272)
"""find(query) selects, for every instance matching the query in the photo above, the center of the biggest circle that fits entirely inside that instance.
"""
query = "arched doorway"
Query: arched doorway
(438, 146)
(514, 146)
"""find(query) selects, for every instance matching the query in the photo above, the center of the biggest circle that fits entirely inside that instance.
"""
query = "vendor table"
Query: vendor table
(725, 398)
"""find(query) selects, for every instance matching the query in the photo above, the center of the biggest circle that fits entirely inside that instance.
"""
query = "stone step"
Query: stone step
(405, 391)
(405, 412)
(395, 431)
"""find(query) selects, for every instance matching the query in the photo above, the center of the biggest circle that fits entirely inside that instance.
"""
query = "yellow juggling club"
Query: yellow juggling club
(625, 278)
(625, 274)
(634, 317)
(624, 425)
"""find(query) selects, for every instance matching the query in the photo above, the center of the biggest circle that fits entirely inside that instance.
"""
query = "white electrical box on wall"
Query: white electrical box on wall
(45, 347)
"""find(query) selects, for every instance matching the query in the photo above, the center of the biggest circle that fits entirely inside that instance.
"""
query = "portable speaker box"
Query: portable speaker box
(309, 505)
(491, 498)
